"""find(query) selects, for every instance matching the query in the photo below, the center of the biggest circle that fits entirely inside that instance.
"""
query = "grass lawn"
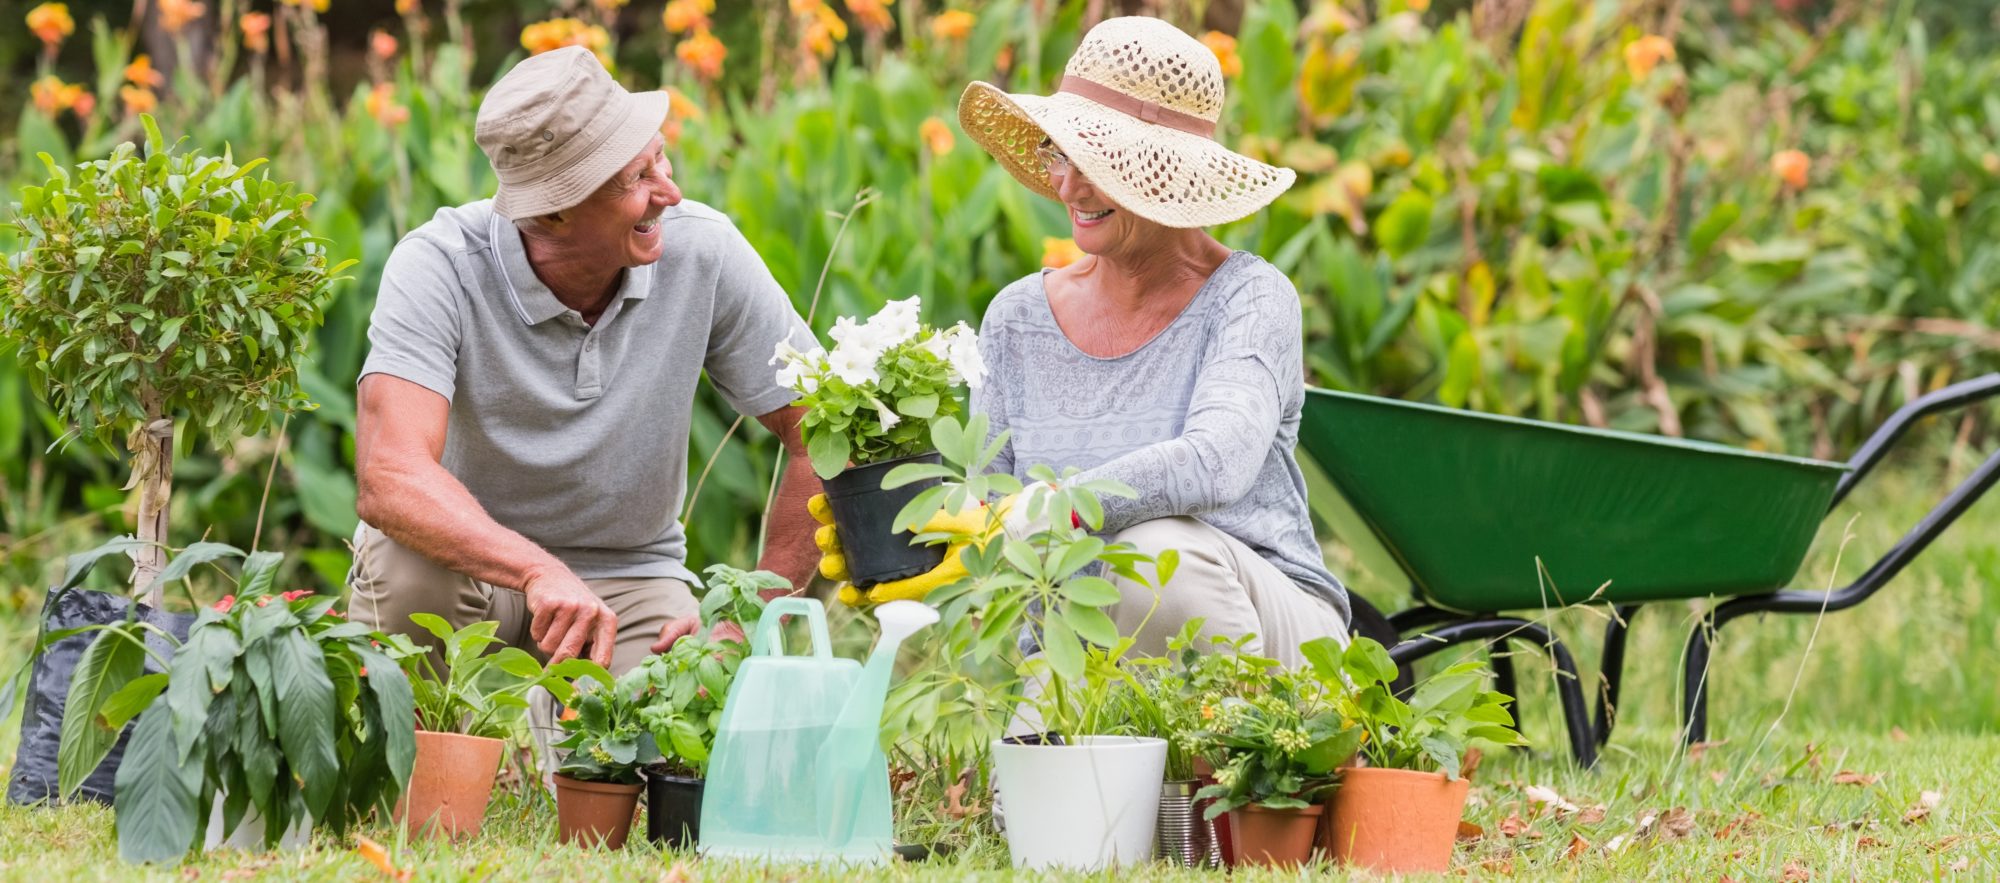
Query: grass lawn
(1884, 765)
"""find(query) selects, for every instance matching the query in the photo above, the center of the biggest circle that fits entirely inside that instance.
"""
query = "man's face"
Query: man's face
(621, 219)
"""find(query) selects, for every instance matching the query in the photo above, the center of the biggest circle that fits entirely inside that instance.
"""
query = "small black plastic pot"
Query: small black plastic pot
(863, 513)
(673, 810)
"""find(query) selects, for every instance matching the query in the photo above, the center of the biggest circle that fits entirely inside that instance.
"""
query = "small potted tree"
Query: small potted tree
(1399, 813)
(465, 714)
(685, 689)
(870, 405)
(1073, 794)
(1278, 745)
(276, 715)
(597, 785)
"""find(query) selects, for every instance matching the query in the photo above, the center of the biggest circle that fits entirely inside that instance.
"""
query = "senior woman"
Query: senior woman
(1162, 358)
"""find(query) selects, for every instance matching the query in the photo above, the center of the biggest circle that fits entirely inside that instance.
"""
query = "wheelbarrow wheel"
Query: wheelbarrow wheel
(1365, 621)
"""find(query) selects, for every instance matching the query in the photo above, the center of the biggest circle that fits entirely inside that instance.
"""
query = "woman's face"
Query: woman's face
(1098, 225)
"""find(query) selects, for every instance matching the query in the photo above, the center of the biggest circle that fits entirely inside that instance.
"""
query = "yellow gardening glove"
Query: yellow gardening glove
(833, 562)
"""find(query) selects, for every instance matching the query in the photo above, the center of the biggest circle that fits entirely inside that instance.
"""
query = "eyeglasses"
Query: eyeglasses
(1053, 161)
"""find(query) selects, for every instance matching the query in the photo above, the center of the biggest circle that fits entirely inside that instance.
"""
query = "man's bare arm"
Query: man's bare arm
(788, 528)
(405, 492)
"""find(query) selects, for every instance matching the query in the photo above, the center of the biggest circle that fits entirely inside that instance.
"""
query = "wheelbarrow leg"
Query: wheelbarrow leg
(1612, 670)
(1503, 669)
(1576, 712)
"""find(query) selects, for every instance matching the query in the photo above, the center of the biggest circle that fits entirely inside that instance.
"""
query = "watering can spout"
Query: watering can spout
(852, 750)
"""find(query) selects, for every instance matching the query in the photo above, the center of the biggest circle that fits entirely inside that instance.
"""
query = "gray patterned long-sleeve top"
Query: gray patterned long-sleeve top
(1201, 420)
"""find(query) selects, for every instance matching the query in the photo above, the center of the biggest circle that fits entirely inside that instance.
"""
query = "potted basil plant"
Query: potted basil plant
(466, 711)
(870, 404)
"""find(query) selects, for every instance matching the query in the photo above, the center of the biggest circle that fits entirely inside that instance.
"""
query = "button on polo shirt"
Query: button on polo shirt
(574, 435)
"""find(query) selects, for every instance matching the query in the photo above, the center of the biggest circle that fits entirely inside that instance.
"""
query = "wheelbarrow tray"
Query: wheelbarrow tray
(1485, 512)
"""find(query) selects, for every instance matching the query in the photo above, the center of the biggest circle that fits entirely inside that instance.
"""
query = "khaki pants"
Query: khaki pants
(1232, 589)
(390, 582)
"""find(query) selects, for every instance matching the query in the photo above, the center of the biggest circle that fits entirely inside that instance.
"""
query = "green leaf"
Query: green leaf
(115, 659)
(1324, 655)
(1060, 646)
(155, 798)
(1092, 591)
(399, 721)
(306, 717)
(136, 697)
(1442, 752)
(1405, 224)
(1091, 624)
(922, 407)
(200, 670)
(829, 453)
(1367, 663)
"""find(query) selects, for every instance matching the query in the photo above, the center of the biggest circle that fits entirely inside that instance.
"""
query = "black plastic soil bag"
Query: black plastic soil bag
(34, 776)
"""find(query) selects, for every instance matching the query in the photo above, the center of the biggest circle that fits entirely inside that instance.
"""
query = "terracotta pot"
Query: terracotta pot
(590, 813)
(1396, 821)
(1281, 838)
(451, 783)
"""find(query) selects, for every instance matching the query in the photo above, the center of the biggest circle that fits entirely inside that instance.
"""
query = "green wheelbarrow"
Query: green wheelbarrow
(1487, 514)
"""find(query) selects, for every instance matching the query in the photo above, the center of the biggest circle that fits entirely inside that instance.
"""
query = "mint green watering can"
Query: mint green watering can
(798, 773)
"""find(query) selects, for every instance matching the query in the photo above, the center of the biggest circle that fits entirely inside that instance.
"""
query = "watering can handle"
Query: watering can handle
(769, 642)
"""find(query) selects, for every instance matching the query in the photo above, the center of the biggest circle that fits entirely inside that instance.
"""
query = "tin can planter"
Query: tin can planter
(1182, 837)
(451, 783)
(864, 514)
(593, 813)
(673, 810)
(1279, 838)
(1396, 821)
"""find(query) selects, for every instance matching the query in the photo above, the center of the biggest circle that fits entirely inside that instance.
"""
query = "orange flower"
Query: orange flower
(681, 107)
(702, 53)
(383, 107)
(872, 14)
(825, 30)
(1059, 252)
(383, 44)
(409, 7)
(317, 5)
(955, 24)
(138, 99)
(1224, 47)
(51, 22)
(1646, 53)
(1792, 166)
(53, 96)
(256, 32)
(937, 136)
(682, 16)
(559, 32)
(176, 14)
(609, 5)
(141, 73)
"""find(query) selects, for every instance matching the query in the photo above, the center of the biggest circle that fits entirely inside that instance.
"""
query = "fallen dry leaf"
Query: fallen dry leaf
(1577, 846)
(1470, 831)
(376, 855)
(1591, 815)
(1615, 844)
(1964, 864)
(1698, 749)
(1868, 843)
(677, 874)
(1502, 865)
(1513, 825)
(1469, 764)
(1646, 820)
(1896, 734)
(1945, 843)
(1725, 879)
(1921, 810)
(1677, 823)
(954, 802)
(1542, 795)
(1739, 825)
(1794, 873)
(1850, 777)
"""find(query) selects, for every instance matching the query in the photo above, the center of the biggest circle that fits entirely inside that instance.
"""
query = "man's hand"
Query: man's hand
(568, 616)
(970, 522)
(688, 625)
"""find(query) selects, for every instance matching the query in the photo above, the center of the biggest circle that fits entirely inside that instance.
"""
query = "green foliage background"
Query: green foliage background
(1495, 210)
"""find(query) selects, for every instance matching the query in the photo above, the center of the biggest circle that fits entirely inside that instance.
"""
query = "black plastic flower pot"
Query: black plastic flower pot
(864, 514)
(673, 810)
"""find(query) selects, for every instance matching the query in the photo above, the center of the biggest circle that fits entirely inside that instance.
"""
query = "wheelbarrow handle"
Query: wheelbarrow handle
(1962, 394)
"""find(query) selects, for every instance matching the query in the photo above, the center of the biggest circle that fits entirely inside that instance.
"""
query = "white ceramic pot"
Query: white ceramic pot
(249, 833)
(1086, 806)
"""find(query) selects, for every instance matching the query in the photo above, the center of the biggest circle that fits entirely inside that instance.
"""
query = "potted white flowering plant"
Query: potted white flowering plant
(869, 407)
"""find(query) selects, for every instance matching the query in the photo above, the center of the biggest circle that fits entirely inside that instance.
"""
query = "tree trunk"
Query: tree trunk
(152, 446)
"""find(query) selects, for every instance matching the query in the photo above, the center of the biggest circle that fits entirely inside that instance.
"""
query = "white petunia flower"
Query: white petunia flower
(785, 353)
(897, 321)
(963, 349)
(854, 364)
(885, 414)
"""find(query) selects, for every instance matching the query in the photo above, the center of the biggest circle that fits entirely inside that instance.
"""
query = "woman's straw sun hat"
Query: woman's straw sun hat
(1136, 113)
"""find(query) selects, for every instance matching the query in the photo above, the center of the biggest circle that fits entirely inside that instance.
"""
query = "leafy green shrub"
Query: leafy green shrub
(1429, 732)
(682, 694)
(478, 693)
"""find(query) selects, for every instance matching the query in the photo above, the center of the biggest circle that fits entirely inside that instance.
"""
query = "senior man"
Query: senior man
(522, 435)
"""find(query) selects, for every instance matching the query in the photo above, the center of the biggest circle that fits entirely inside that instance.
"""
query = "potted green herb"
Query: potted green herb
(1400, 812)
(1075, 795)
(465, 714)
(276, 715)
(597, 785)
(686, 688)
(1278, 745)
(870, 405)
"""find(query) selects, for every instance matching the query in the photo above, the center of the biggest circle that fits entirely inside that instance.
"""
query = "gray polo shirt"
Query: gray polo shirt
(572, 435)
